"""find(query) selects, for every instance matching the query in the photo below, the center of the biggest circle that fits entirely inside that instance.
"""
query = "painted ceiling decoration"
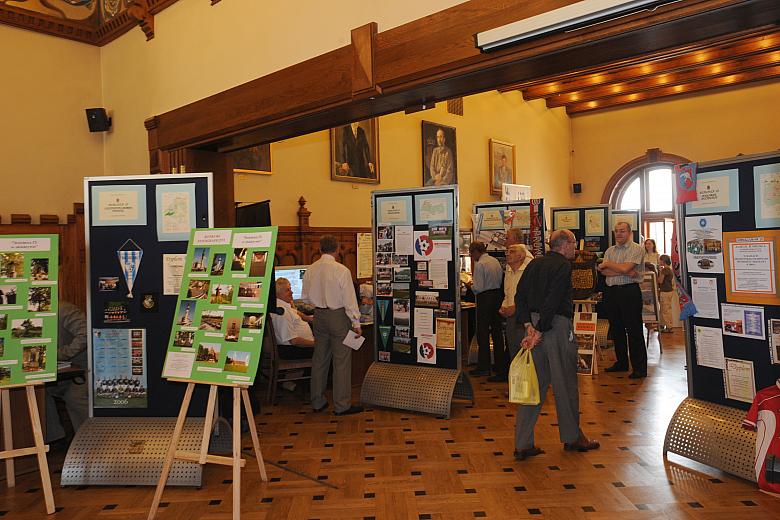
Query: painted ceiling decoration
(96, 22)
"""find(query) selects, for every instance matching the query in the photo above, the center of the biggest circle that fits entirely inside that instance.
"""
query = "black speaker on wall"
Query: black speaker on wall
(576, 188)
(98, 120)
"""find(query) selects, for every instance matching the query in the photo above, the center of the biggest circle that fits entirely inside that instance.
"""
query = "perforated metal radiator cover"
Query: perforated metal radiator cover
(114, 451)
(712, 434)
(414, 388)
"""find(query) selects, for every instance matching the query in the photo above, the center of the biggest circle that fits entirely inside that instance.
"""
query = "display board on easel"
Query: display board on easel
(137, 228)
(29, 268)
(590, 224)
(217, 336)
(417, 300)
(494, 219)
(217, 331)
(729, 244)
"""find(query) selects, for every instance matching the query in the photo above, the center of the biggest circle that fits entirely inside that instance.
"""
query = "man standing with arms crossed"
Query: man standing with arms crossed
(327, 285)
(623, 267)
(545, 307)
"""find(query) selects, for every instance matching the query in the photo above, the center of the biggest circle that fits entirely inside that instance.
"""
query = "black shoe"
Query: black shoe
(616, 368)
(321, 408)
(528, 452)
(637, 375)
(350, 410)
(498, 378)
(477, 372)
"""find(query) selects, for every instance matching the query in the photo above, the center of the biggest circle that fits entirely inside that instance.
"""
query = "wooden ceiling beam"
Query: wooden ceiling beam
(669, 79)
(703, 55)
(676, 90)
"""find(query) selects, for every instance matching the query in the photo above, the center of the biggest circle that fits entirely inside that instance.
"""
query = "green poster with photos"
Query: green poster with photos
(217, 332)
(29, 266)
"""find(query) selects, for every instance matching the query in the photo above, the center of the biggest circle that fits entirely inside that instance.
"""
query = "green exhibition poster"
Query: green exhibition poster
(217, 332)
(28, 309)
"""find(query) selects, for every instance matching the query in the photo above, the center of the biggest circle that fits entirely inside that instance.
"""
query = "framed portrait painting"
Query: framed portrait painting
(439, 153)
(354, 152)
(255, 159)
(502, 165)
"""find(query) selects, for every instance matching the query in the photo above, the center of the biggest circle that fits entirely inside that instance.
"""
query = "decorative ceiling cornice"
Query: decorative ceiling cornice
(109, 21)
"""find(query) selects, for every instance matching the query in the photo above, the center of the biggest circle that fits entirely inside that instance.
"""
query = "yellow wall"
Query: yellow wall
(199, 50)
(701, 128)
(45, 146)
(301, 165)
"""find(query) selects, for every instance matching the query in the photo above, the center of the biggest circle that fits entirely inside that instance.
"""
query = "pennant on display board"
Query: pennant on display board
(383, 306)
(476, 220)
(687, 307)
(508, 216)
(384, 333)
(685, 176)
(129, 256)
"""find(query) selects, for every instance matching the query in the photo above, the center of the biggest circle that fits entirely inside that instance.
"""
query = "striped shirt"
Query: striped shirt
(628, 252)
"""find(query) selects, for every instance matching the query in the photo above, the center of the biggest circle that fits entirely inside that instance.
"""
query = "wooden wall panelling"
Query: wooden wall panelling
(197, 161)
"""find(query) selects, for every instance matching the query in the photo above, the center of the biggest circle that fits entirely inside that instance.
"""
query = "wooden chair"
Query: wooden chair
(279, 369)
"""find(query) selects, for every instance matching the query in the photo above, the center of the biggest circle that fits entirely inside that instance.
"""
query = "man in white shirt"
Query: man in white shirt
(517, 259)
(486, 284)
(293, 335)
(328, 285)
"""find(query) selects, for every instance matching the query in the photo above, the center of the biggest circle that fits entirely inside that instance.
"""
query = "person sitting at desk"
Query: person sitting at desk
(293, 334)
(71, 346)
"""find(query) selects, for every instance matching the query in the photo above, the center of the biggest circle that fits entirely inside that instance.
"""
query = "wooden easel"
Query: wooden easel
(240, 393)
(40, 449)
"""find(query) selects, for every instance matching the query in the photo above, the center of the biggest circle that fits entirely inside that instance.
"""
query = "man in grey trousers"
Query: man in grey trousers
(544, 306)
(328, 285)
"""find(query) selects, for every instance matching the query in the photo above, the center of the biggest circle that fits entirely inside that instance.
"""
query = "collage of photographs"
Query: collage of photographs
(28, 307)
(218, 324)
(415, 278)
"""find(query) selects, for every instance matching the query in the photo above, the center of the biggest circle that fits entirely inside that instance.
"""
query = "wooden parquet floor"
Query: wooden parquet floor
(385, 464)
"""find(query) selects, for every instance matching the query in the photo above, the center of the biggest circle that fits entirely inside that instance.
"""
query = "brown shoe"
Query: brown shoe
(528, 452)
(581, 444)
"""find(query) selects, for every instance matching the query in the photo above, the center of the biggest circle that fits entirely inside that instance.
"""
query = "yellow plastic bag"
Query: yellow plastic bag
(523, 384)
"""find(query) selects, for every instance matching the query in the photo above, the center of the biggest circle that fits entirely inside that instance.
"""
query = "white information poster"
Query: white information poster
(437, 273)
(704, 292)
(404, 240)
(704, 246)
(744, 321)
(774, 340)
(173, 270)
(365, 257)
(423, 321)
(752, 266)
(709, 347)
(739, 381)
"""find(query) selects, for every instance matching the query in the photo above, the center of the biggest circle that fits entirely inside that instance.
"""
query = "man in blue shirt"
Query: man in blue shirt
(486, 285)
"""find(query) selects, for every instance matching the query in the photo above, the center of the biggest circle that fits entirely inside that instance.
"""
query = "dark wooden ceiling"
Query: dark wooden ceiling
(738, 60)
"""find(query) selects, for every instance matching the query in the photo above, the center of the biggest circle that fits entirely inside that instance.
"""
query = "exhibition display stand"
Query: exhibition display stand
(728, 251)
(136, 233)
(417, 328)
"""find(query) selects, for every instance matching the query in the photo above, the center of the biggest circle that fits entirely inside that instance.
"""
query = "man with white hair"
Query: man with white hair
(517, 259)
(293, 335)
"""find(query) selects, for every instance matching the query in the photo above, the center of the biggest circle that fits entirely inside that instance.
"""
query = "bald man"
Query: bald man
(545, 307)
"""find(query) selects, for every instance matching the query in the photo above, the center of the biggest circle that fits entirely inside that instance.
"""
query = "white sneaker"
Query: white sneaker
(289, 386)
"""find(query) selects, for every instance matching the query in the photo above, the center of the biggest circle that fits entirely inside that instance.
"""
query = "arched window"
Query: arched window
(646, 183)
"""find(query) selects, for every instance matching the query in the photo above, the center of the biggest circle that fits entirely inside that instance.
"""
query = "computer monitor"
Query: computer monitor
(294, 273)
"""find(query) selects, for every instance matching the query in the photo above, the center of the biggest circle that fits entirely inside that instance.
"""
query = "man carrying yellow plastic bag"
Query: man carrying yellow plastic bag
(545, 309)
